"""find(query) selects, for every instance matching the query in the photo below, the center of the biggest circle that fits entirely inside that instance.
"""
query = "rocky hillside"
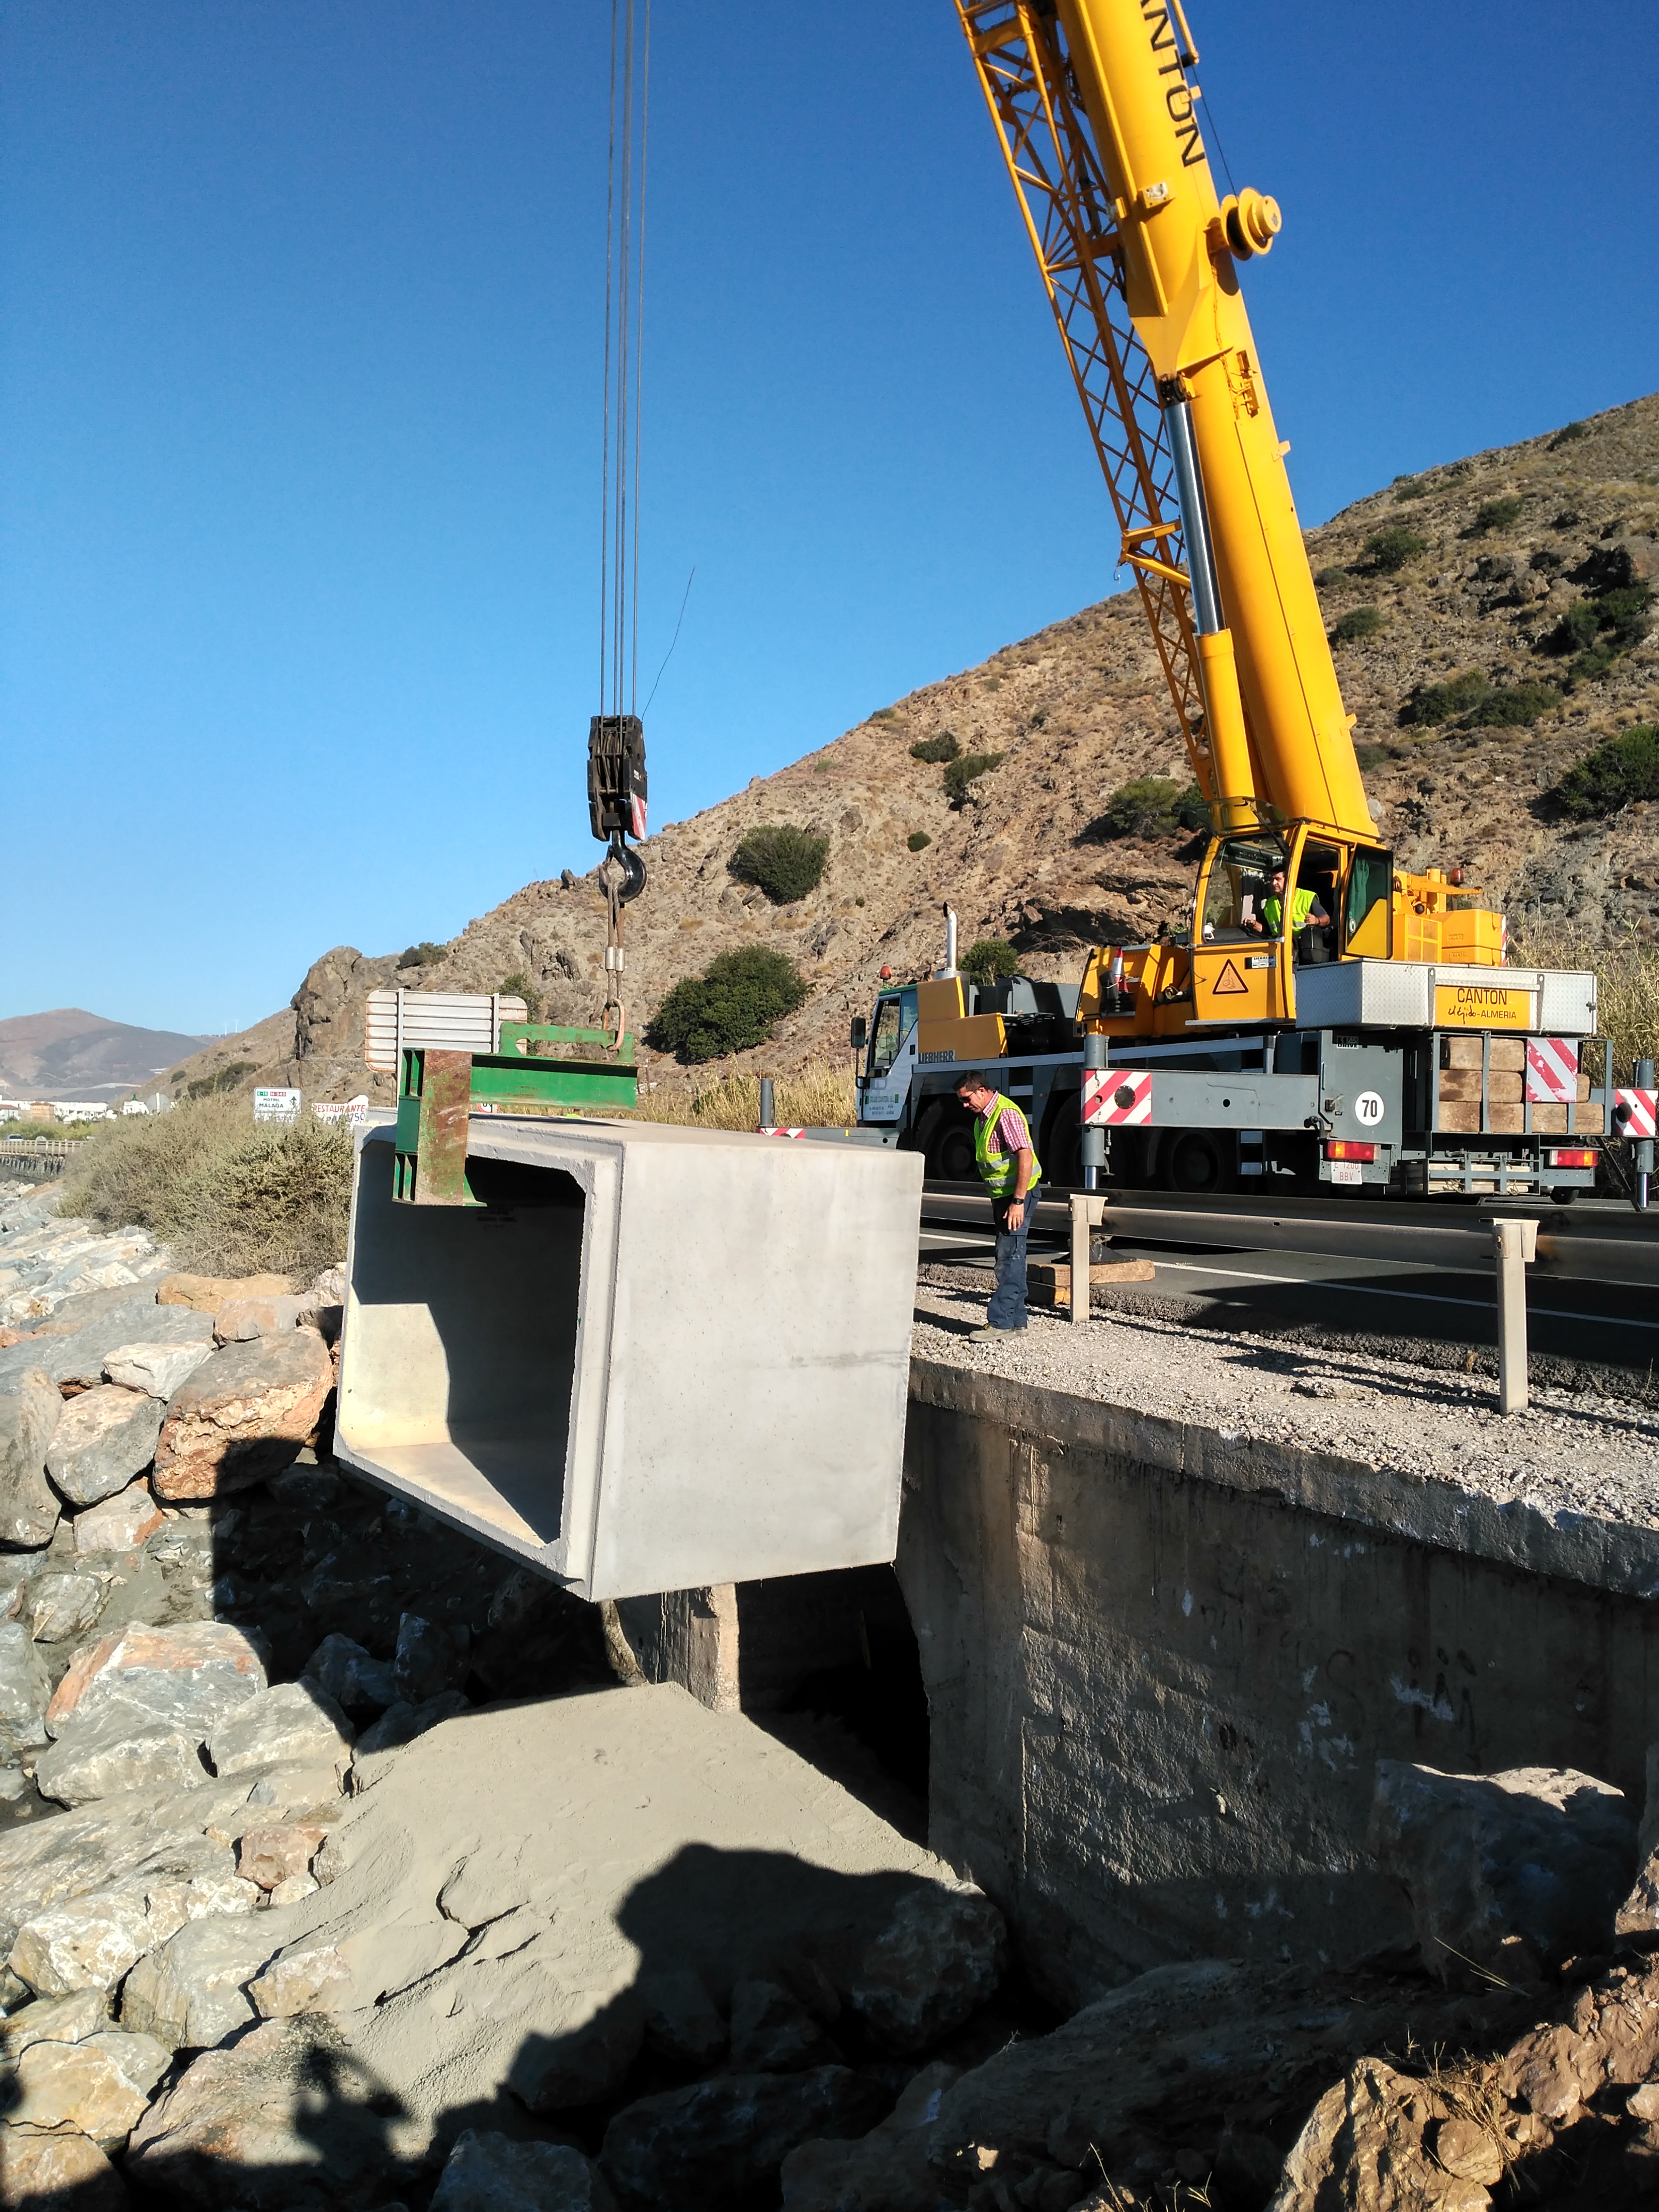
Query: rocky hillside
(1501, 549)
(69, 1053)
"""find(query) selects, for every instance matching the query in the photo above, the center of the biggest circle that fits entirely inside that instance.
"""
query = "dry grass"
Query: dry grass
(821, 1097)
(231, 1197)
(1627, 978)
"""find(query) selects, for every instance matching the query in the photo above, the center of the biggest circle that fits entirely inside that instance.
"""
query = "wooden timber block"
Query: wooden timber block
(1461, 1052)
(1551, 1121)
(1510, 1054)
(1505, 1121)
(1051, 1285)
(1506, 1087)
(1460, 1082)
(1460, 1118)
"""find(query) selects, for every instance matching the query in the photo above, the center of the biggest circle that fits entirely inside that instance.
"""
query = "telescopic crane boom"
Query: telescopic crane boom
(1098, 118)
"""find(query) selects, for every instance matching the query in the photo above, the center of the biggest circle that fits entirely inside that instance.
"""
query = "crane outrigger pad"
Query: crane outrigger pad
(645, 1357)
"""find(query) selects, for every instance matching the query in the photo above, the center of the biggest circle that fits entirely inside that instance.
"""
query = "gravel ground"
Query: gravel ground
(1573, 1451)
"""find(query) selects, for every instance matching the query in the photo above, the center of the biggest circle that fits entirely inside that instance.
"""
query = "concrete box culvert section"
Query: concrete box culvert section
(655, 1359)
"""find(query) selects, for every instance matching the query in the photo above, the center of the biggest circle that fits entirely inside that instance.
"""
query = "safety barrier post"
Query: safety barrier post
(1644, 1148)
(1514, 1244)
(769, 1118)
(1087, 1213)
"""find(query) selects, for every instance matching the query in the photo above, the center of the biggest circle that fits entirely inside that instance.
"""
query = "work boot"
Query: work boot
(977, 1335)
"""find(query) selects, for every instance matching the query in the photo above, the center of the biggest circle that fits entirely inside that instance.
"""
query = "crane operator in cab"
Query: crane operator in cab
(1305, 908)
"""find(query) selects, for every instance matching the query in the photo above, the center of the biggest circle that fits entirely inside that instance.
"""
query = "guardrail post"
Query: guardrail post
(1086, 1214)
(768, 1117)
(1514, 1243)
(1644, 1148)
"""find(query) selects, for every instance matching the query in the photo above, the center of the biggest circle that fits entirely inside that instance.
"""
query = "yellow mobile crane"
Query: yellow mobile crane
(1307, 943)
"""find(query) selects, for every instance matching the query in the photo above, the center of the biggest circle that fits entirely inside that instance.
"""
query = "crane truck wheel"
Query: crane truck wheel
(945, 1135)
(1199, 1162)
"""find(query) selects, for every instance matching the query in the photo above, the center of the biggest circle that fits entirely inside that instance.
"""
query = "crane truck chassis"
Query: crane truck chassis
(1359, 1099)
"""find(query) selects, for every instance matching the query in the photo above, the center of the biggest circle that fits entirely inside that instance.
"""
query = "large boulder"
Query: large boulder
(490, 2172)
(100, 2087)
(191, 1992)
(30, 1410)
(343, 1670)
(107, 1436)
(243, 1416)
(1509, 1874)
(108, 1755)
(938, 1957)
(1374, 2143)
(156, 1368)
(124, 1522)
(294, 1723)
(773, 2033)
(1638, 1916)
(55, 2019)
(62, 1606)
(721, 2143)
(240, 1321)
(282, 2121)
(62, 2171)
(190, 1675)
(889, 2165)
(25, 1688)
(90, 1941)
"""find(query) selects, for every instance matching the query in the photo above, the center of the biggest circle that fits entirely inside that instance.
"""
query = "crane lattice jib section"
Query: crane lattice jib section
(1057, 179)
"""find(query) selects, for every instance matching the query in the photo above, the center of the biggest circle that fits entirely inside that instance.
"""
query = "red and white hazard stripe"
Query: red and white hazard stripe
(1634, 1113)
(1551, 1071)
(1117, 1098)
(776, 1131)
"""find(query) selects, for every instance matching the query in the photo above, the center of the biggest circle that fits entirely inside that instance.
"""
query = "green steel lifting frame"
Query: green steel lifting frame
(437, 1092)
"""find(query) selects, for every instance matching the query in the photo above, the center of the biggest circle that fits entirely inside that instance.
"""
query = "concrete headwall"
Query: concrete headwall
(1162, 1663)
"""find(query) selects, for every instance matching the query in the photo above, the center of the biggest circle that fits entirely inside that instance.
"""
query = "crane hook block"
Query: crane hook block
(616, 780)
(633, 868)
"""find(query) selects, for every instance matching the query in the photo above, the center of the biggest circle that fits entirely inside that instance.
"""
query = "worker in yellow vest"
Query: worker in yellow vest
(1304, 908)
(1011, 1171)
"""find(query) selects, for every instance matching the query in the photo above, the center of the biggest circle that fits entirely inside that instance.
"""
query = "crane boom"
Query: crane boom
(1098, 123)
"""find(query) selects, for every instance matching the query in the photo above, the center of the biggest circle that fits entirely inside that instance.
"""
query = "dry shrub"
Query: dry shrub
(821, 1096)
(231, 1196)
(1627, 980)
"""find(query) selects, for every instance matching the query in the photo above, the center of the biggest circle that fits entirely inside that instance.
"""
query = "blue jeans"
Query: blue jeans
(1007, 1307)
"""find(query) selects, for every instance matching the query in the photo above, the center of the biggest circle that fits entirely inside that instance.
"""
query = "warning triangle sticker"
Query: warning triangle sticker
(1229, 983)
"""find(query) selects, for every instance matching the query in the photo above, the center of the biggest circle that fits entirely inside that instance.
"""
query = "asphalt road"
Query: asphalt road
(1380, 1299)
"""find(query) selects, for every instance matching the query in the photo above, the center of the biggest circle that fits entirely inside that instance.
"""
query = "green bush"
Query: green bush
(1598, 629)
(918, 841)
(518, 985)
(1619, 770)
(1440, 702)
(734, 1004)
(1568, 436)
(1387, 551)
(959, 773)
(223, 1078)
(1516, 707)
(1371, 757)
(230, 1195)
(786, 862)
(1327, 578)
(1495, 514)
(1357, 622)
(1154, 806)
(989, 961)
(424, 955)
(944, 747)
(1409, 488)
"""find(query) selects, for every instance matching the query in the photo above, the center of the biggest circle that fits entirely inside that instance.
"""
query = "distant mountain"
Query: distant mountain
(71, 1054)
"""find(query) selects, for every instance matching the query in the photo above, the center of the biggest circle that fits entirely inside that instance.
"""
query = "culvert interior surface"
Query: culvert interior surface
(656, 1357)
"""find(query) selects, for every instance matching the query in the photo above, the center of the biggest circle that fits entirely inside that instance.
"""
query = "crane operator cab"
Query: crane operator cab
(1271, 900)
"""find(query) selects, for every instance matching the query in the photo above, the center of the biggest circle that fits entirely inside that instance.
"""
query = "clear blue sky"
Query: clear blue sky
(300, 383)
